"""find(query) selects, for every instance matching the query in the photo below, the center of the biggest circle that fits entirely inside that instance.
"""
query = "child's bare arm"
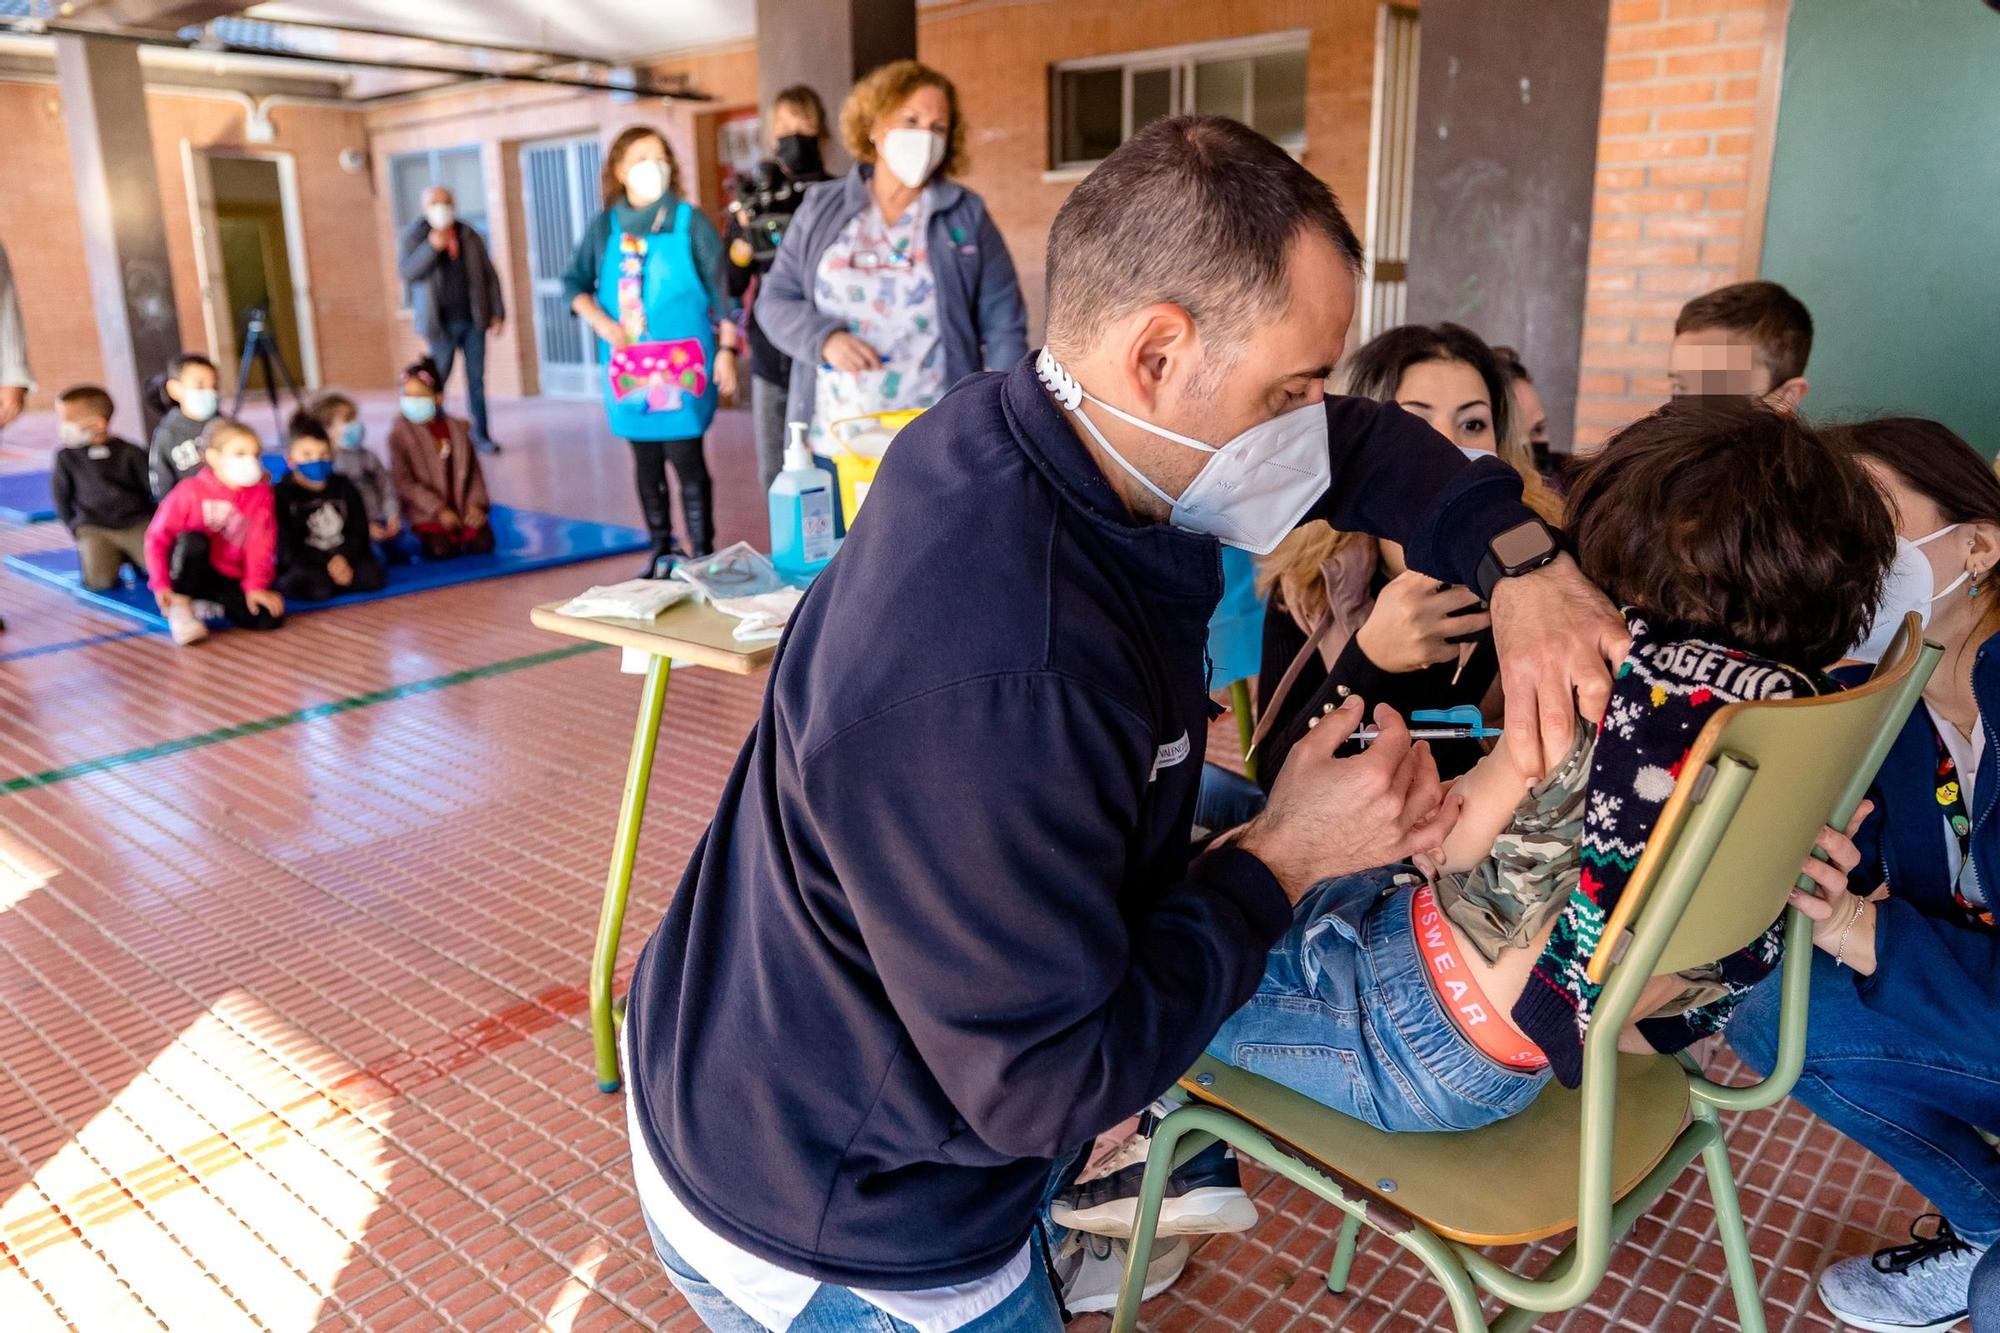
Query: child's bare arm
(1491, 791)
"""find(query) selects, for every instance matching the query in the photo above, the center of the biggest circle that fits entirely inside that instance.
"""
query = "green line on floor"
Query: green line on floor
(50, 777)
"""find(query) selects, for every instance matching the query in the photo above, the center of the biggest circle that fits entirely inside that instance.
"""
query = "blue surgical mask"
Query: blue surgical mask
(352, 434)
(316, 471)
(199, 404)
(418, 408)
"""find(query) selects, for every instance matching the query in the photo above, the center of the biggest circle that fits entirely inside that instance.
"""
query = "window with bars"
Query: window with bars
(1097, 103)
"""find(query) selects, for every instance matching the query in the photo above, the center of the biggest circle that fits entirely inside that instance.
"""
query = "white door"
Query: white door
(559, 196)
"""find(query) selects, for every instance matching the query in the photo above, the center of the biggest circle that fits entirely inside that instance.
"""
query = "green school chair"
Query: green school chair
(1760, 782)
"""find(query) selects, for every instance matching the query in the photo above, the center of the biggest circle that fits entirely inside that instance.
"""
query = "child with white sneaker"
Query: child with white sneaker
(212, 549)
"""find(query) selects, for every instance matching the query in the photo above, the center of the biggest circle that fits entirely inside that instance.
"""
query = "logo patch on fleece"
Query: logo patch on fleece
(1170, 754)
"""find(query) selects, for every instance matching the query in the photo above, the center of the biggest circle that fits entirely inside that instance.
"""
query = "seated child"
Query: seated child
(177, 452)
(354, 460)
(100, 488)
(1750, 339)
(323, 546)
(1708, 521)
(438, 478)
(215, 539)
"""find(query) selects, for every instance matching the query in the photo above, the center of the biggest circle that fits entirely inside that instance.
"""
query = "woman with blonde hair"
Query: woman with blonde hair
(646, 277)
(1344, 613)
(893, 283)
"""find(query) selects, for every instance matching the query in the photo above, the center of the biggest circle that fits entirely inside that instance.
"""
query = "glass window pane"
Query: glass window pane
(1088, 113)
(458, 170)
(1152, 95)
(409, 177)
(1279, 90)
(1219, 86)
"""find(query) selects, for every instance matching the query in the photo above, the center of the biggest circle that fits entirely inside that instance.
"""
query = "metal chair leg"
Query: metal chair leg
(1343, 1253)
(1735, 1240)
(1246, 723)
(1152, 1189)
(618, 884)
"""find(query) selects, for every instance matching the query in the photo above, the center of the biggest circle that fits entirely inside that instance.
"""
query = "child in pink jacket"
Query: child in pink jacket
(212, 548)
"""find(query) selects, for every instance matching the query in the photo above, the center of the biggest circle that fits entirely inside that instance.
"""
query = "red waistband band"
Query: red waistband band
(1459, 992)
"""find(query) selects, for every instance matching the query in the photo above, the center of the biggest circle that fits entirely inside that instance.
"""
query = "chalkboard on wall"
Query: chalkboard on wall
(1506, 159)
(1884, 214)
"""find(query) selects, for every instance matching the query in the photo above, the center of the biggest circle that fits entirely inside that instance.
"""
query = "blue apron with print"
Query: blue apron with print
(660, 386)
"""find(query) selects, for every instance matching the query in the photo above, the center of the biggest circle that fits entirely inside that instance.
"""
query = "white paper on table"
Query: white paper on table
(760, 618)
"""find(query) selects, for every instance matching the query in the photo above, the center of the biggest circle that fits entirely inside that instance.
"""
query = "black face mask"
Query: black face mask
(798, 154)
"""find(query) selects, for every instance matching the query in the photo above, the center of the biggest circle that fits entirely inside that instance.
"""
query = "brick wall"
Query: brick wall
(38, 222)
(998, 52)
(1683, 132)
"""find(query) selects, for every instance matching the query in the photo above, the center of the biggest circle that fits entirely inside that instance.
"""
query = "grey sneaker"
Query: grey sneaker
(1091, 1268)
(1915, 1288)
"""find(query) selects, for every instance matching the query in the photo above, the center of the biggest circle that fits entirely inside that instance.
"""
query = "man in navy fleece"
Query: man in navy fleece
(945, 927)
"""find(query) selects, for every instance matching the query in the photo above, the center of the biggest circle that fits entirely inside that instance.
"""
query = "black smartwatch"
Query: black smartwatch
(1521, 549)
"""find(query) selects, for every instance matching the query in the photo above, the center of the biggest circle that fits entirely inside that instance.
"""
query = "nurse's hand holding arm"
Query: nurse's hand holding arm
(1559, 640)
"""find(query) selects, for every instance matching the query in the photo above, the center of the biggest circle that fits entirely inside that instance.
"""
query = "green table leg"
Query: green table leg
(618, 884)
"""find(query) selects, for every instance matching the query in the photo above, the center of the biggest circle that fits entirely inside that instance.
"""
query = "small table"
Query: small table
(693, 633)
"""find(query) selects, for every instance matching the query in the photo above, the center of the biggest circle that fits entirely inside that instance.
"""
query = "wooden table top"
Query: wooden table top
(693, 632)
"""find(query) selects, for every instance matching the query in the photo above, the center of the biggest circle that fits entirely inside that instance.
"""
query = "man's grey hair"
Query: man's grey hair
(1199, 211)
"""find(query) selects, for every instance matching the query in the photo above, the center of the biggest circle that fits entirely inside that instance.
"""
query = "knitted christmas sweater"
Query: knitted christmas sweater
(1663, 694)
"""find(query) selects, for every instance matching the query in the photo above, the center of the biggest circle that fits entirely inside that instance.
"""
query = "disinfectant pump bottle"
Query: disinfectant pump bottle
(801, 512)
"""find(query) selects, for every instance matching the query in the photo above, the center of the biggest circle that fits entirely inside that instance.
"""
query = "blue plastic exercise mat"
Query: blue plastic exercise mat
(524, 540)
(24, 497)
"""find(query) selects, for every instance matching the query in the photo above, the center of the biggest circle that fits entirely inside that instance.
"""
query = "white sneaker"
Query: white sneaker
(1092, 1268)
(1204, 1197)
(185, 625)
(1920, 1287)
(207, 611)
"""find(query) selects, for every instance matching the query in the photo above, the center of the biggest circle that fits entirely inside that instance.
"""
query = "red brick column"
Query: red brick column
(1689, 87)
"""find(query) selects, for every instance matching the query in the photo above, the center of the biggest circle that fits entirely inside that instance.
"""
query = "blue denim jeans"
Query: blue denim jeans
(470, 339)
(1031, 1309)
(1985, 1294)
(1347, 1016)
(1225, 799)
(1914, 1096)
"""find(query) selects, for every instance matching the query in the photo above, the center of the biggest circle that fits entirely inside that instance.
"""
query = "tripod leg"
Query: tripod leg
(251, 342)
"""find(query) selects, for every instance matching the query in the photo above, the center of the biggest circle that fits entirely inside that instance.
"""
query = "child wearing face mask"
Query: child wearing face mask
(439, 483)
(100, 489)
(212, 549)
(194, 389)
(354, 460)
(323, 546)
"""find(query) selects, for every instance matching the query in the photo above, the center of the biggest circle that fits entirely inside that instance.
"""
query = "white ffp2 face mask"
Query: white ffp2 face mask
(645, 182)
(1253, 489)
(239, 470)
(912, 155)
(1910, 586)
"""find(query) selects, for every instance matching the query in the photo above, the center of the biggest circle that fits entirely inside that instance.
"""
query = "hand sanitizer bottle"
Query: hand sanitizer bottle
(801, 512)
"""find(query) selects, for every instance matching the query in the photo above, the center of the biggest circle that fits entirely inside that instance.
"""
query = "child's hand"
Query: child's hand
(165, 600)
(475, 519)
(447, 518)
(340, 571)
(266, 600)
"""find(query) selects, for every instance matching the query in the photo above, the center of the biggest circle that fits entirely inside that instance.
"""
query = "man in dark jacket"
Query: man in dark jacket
(946, 926)
(455, 298)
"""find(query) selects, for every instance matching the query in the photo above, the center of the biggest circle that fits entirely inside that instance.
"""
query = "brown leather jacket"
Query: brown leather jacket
(431, 477)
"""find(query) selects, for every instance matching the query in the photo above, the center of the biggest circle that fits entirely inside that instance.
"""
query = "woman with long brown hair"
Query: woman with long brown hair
(646, 277)
(1900, 1049)
(1345, 615)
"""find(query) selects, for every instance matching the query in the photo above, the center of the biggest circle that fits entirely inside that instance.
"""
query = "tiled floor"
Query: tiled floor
(290, 1020)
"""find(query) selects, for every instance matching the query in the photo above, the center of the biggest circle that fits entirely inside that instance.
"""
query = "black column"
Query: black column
(1505, 168)
(118, 203)
(828, 44)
